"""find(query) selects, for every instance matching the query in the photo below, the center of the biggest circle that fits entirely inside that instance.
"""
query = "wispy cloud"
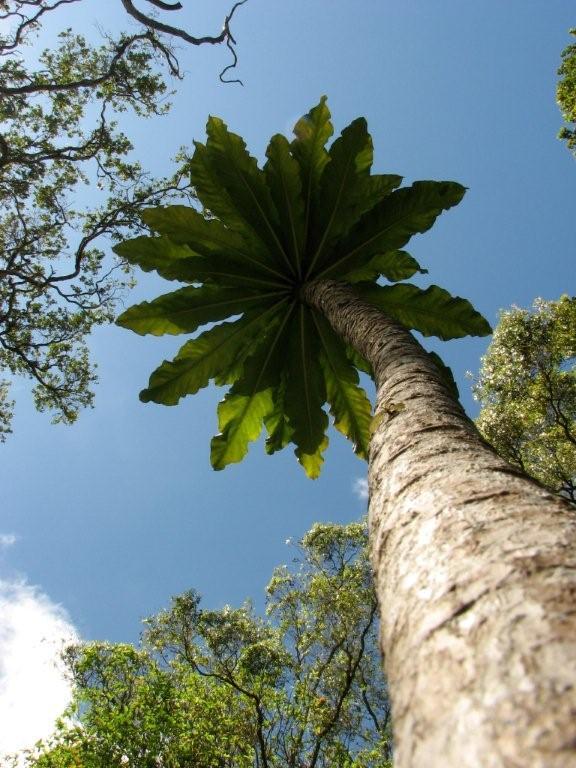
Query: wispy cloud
(361, 487)
(7, 540)
(33, 689)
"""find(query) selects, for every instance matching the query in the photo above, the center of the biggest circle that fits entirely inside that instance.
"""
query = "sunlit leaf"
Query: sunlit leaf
(312, 462)
(211, 355)
(242, 412)
(349, 405)
(240, 419)
(279, 430)
(433, 312)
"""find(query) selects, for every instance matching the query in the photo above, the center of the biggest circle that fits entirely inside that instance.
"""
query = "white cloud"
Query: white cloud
(33, 689)
(361, 487)
(7, 540)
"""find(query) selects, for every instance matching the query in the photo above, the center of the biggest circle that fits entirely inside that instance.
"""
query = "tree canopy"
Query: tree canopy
(225, 688)
(566, 94)
(59, 110)
(527, 389)
(310, 214)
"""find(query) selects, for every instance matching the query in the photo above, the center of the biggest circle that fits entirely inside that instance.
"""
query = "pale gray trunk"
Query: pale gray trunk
(475, 569)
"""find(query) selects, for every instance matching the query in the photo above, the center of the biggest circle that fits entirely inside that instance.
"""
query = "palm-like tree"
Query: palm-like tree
(475, 565)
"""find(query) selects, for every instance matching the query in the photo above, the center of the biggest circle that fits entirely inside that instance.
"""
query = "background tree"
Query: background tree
(297, 249)
(527, 390)
(566, 93)
(58, 132)
(226, 688)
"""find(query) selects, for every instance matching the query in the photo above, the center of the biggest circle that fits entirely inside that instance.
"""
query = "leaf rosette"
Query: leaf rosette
(311, 213)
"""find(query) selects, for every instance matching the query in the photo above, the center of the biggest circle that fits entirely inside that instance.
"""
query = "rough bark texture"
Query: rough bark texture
(475, 569)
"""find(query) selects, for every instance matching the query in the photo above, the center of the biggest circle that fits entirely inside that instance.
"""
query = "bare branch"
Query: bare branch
(166, 6)
(224, 36)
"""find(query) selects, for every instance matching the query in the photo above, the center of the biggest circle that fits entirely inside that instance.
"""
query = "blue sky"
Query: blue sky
(119, 512)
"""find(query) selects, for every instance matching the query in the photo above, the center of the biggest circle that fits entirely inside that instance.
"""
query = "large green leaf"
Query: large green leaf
(350, 161)
(433, 312)
(183, 311)
(312, 462)
(305, 389)
(393, 265)
(186, 226)
(250, 400)
(240, 420)
(246, 187)
(279, 430)
(212, 355)
(159, 254)
(391, 224)
(283, 177)
(349, 406)
(179, 262)
(312, 132)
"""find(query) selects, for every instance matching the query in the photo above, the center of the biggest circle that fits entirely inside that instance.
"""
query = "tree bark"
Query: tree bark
(475, 568)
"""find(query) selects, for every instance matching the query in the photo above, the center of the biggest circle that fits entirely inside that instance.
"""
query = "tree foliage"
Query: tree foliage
(59, 133)
(527, 389)
(217, 689)
(309, 214)
(566, 94)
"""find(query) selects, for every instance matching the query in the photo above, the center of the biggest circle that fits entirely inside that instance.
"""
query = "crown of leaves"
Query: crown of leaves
(310, 213)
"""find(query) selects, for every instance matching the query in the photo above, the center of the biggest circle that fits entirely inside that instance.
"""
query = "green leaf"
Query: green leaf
(245, 185)
(211, 355)
(391, 224)
(279, 430)
(243, 410)
(283, 178)
(349, 406)
(184, 310)
(374, 189)
(185, 226)
(433, 312)
(157, 253)
(393, 265)
(180, 262)
(350, 161)
(240, 420)
(305, 389)
(312, 132)
(312, 462)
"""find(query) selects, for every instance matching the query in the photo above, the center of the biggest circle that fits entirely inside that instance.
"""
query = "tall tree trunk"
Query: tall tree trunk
(475, 568)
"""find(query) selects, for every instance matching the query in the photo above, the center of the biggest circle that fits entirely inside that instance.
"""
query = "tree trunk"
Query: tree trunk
(475, 568)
